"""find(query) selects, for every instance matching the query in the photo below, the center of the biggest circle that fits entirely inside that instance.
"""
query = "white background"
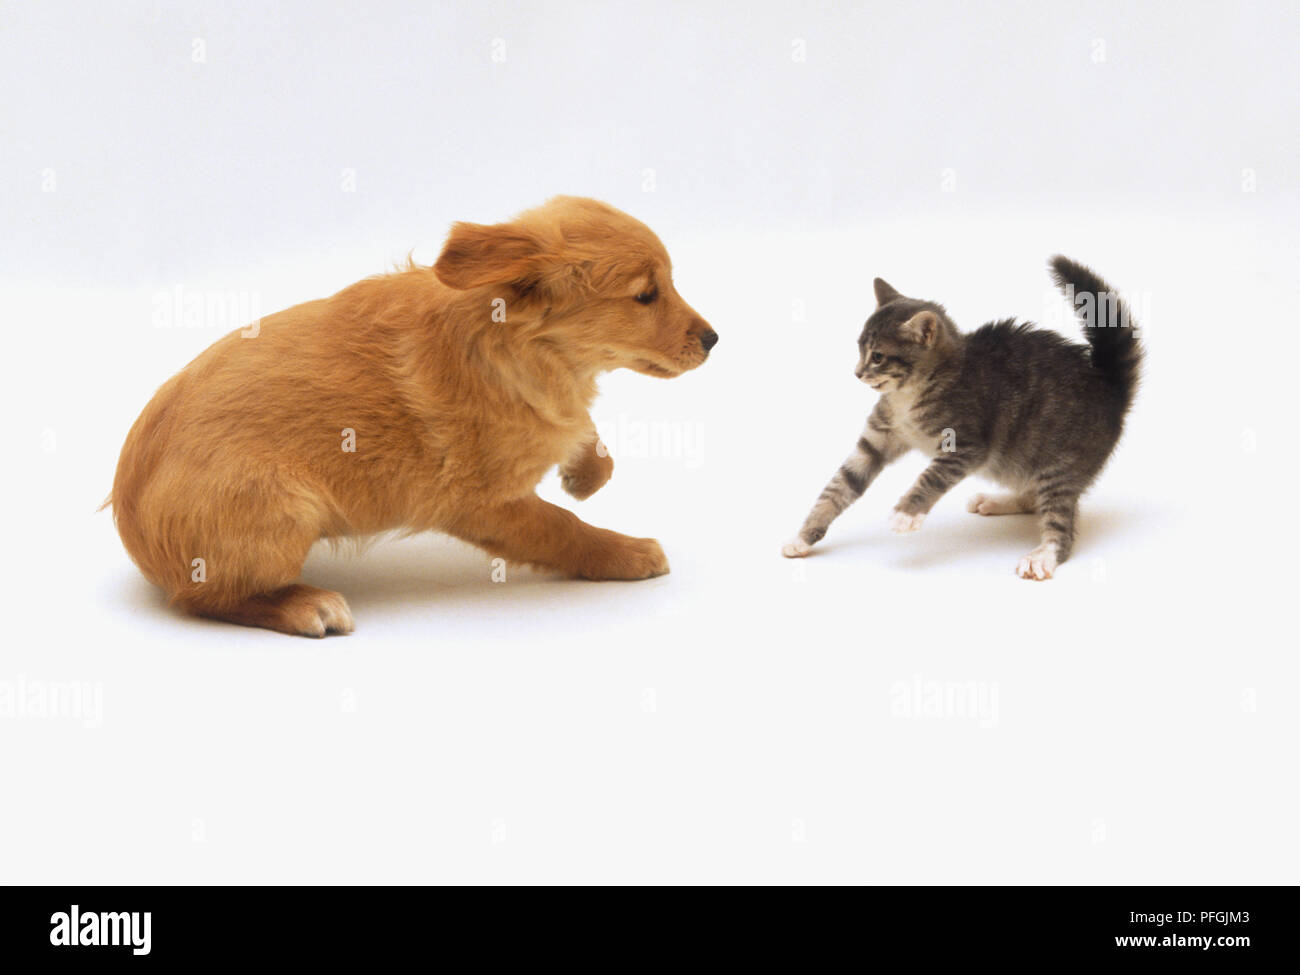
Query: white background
(746, 718)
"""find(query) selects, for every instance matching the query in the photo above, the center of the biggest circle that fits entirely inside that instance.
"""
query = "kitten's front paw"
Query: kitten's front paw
(903, 523)
(796, 548)
(1038, 564)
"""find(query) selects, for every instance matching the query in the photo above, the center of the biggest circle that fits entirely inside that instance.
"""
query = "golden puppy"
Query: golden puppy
(431, 398)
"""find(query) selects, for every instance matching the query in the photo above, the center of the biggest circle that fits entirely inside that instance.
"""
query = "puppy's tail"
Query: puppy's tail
(1107, 325)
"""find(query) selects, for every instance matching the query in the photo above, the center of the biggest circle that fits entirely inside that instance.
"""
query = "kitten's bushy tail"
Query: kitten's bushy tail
(1107, 324)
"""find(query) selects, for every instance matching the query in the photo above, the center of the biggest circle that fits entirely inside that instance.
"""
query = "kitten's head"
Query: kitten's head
(901, 339)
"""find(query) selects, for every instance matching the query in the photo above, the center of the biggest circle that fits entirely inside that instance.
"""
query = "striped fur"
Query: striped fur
(1022, 406)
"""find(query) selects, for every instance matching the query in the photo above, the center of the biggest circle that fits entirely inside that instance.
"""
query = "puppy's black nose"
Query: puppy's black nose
(708, 339)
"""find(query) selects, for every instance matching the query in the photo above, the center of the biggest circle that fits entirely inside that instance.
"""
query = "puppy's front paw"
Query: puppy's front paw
(586, 478)
(902, 523)
(629, 558)
(1038, 564)
(578, 487)
(796, 548)
(649, 560)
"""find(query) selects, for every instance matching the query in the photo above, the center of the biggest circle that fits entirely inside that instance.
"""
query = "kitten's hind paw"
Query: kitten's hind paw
(1006, 504)
(903, 523)
(1038, 564)
(796, 548)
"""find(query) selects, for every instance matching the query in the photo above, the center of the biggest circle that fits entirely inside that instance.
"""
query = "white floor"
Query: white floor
(897, 710)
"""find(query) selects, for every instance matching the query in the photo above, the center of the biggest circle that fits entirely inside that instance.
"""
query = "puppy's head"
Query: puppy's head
(901, 339)
(587, 277)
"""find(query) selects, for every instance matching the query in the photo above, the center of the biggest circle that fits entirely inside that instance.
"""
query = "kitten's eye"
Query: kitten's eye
(647, 297)
(877, 358)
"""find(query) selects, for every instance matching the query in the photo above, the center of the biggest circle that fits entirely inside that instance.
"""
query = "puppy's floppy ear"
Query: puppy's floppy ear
(884, 291)
(479, 254)
(922, 327)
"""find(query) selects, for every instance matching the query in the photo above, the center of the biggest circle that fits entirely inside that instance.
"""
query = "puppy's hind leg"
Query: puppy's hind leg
(252, 546)
(295, 609)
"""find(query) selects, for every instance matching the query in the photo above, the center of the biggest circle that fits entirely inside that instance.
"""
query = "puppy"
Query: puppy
(434, 398)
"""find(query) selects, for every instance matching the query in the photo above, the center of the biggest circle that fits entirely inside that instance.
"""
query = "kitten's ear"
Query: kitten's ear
(884, 291)
(923, 327)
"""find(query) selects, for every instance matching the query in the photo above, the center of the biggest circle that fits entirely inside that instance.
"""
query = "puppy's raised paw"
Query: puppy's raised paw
(585, 478)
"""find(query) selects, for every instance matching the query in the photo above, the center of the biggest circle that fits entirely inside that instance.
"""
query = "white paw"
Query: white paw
(903, 523)
(987, 504)
(796, 548)
(1038, 564)
(334, 613)
(1007, 504)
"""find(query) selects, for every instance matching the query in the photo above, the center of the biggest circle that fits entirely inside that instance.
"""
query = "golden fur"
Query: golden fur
(240, 459)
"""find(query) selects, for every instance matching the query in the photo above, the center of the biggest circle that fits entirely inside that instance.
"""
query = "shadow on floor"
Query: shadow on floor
(976, 536)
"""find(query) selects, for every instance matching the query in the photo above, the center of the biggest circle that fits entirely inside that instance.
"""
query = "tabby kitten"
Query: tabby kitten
(1025, 407)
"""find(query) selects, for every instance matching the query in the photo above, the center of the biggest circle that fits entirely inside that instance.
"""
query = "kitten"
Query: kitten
(1022, 406)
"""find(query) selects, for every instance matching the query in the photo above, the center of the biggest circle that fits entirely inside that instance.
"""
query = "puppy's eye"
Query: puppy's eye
(877, 358)
(647, 297)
